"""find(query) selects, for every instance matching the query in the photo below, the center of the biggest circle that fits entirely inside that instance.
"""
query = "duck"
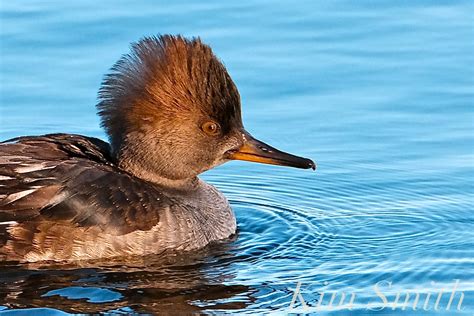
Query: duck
(171, 111)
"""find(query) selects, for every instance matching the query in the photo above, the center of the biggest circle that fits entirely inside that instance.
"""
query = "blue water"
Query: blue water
(379, 94)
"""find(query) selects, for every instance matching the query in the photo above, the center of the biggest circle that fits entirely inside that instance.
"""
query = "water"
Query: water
(380, 95)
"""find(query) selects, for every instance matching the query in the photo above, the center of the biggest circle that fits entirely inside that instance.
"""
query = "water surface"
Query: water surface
(380, 95)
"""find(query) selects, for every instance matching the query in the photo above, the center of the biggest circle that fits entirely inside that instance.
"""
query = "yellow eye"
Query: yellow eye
(211, 128)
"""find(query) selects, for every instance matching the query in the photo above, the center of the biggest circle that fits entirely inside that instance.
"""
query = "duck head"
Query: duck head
(171, 111)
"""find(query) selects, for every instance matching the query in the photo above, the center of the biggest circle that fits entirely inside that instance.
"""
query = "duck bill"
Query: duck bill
(257, 151)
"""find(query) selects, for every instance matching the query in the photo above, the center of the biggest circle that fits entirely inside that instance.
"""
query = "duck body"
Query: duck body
(62, 197)
(171, 111)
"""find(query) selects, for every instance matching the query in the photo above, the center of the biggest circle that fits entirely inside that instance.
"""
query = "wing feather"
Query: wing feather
(72, 178)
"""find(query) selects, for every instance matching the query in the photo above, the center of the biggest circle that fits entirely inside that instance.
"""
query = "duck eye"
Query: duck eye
(211, 128)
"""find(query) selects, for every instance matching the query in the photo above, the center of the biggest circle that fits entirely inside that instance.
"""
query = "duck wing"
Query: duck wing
(71, 179)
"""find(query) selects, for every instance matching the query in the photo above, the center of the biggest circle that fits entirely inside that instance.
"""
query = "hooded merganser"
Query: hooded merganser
(171, 111)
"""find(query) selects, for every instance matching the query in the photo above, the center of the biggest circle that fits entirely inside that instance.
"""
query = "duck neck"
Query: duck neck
(178, 185)
(181, 185)
(172, 185)
(134, 159)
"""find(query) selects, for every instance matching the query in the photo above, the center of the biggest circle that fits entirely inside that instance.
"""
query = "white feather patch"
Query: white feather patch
(33, 167)
(18, 195)
(9, 223)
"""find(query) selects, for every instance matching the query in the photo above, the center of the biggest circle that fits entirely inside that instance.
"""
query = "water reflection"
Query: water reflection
(146, 285)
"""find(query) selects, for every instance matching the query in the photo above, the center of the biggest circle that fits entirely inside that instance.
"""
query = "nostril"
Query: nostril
(264, 149)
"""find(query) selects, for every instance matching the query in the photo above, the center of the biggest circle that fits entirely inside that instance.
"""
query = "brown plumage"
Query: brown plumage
(161, 78)
(171, 111)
